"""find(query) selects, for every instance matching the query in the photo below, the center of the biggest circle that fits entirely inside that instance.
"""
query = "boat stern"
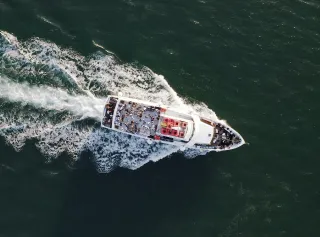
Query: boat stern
(108, 111)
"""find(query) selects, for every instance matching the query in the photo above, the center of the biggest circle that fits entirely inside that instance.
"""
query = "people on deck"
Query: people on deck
(138, 116)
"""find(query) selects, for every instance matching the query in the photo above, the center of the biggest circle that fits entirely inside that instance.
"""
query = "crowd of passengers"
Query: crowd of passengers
(137, 116)
(109, 110)
(224, 137)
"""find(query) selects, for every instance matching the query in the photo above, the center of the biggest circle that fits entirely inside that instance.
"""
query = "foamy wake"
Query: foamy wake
(51, 98)
(55, 97)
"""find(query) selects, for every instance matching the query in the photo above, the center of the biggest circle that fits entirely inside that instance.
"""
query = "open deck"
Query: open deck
(137, 118)
(173, 127)
(109, 111)
(168, 125)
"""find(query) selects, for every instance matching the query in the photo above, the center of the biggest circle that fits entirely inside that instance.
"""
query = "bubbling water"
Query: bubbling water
(56, 97)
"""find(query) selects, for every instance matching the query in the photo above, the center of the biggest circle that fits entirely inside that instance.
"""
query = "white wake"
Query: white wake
(51, 98)
(56, 96)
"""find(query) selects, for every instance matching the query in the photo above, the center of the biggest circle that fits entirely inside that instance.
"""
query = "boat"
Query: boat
(160, 123)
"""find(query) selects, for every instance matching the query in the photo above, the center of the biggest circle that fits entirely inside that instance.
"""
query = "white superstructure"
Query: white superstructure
(163, 124)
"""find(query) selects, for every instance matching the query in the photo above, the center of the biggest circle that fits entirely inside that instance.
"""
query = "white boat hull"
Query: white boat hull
(158, 123)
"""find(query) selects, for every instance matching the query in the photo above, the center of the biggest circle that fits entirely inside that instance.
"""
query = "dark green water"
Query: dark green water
(255, 63)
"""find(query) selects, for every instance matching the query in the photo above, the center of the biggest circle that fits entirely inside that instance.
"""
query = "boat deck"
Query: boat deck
(224, 137)
(173, 127)
(137, 118)
(109, 111)
(168, 125)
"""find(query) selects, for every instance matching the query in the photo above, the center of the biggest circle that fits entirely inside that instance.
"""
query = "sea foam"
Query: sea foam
(55, 96)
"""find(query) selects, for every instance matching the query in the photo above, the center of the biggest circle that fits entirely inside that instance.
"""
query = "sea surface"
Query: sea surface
(254, 64)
